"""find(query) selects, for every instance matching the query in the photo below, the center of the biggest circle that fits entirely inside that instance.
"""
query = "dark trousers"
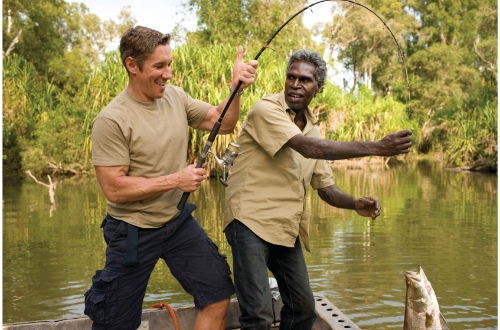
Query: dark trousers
(252, 256)
(114, 301)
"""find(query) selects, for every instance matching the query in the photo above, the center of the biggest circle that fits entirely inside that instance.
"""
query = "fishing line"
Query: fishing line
(215, 129)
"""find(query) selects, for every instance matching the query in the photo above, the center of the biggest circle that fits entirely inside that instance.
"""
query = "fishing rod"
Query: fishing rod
(215, 129)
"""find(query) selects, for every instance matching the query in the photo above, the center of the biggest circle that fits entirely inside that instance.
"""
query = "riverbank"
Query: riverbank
(478, 166)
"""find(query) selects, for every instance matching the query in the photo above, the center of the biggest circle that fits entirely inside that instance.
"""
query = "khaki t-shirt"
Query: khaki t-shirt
(151, 138)
(267, 183)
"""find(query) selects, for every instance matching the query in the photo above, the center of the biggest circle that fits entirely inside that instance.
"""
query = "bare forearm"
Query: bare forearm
(335, 150)
(243, 76)
(119, 187)
(316, 148)
(231, 116)
(127, 188)
(337, 198)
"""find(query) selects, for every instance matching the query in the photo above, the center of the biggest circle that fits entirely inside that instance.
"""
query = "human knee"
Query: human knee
(217, 309)
(298, 314)
(297, 319)
(310, 307)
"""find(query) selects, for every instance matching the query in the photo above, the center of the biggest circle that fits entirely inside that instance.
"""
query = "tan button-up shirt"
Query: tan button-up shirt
(267, 183)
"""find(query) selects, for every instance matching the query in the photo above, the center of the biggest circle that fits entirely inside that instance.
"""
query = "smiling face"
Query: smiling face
(148, 84)
(300, 86)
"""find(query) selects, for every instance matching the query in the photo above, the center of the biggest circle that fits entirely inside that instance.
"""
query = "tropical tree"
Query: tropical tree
(358, 38)
(250, 23)
(50, 49)
(62, 40)
(58, 72)
(454, 50)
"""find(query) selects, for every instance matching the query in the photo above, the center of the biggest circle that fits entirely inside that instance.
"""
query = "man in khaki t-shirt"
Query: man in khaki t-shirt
(140, 142)
(283, 152)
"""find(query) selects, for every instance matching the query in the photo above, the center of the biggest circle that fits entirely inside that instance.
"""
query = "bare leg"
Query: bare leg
(213, 316)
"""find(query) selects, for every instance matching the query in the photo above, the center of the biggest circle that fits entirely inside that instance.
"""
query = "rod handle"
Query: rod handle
(183, 201)
(201, 160)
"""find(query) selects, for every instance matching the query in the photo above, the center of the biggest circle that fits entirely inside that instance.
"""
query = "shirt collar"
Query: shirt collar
(311, 118)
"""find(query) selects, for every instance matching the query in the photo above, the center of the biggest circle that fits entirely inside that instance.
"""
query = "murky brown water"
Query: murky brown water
(443, 220)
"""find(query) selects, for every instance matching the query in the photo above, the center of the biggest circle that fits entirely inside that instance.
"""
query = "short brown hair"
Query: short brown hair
(139, 42)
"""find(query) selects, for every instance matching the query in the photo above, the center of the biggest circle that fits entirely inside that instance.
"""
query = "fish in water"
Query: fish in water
(422, 309)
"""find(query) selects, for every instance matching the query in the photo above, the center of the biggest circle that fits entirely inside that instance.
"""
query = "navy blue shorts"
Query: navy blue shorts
(114, 301)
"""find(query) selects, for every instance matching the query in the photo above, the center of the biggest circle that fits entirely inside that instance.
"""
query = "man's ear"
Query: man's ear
(131, 65)
(319, 89)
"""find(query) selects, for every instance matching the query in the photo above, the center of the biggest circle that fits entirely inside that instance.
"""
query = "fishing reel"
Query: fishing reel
(227, 160)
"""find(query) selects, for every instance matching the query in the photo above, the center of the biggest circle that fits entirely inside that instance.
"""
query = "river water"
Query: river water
(443, 220)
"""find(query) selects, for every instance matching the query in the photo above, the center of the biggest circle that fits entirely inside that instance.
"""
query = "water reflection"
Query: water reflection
(445, 221)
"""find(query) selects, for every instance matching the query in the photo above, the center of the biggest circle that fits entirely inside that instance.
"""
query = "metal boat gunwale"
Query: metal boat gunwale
(329, 317)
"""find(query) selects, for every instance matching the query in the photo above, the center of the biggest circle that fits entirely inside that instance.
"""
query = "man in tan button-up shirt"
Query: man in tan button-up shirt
(284, 152)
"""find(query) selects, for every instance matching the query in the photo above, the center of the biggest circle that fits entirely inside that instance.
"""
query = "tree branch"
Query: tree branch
(13, 43)
(51, 186)
(490, 65)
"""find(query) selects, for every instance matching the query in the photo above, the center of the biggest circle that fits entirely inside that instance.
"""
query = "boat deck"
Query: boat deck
(329, 318)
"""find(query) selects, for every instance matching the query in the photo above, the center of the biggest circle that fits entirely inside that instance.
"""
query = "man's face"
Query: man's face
(149, 83)
(300, 85)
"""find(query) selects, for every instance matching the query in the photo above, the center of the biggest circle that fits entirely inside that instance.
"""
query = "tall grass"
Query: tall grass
(26, 96)
(41, 125)
(106, 81)
(361, 116)
(28, 99)
(471, 131)
(206, 73)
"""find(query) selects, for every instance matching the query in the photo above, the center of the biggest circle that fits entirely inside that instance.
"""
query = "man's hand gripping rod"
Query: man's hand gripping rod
(208, 145)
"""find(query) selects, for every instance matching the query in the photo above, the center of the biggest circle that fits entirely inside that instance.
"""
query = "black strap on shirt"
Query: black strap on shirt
(132, 246)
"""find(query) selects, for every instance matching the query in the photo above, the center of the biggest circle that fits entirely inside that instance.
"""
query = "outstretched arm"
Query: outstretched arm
(365, 206)
(316, 148)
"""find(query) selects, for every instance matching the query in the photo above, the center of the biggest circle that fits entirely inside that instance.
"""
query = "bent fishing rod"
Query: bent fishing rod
(215, 129)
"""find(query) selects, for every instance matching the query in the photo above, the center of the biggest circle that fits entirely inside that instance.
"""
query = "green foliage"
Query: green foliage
(107, 81)
(27, 99)
(205, 73)
(57, 77)
(453, 51)
(450, 49)
(62, 40)
(11, 157)
(42, 25)
(365, 117)
(364, 46)
(250, 23)
(439, 76)
(467, 130)
(214, 17)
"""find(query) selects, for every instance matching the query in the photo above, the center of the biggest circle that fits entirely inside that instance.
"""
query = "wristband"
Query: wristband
(237, 94)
